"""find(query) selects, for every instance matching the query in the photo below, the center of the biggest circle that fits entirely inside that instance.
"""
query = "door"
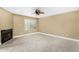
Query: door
(30, 25)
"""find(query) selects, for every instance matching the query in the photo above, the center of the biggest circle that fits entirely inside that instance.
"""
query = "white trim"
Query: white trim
(63, 37)
(25, 34)
(52, 35)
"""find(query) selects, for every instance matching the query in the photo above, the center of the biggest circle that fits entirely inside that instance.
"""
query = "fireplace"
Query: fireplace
(6, 35)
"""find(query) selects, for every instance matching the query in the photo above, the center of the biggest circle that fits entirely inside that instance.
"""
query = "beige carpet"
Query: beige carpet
(39, 43)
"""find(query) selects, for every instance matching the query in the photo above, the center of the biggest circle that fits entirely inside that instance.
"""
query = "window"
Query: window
(30, 25)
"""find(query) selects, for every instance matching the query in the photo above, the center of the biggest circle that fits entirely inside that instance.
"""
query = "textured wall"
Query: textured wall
(63, 24)
(19, 26)
(77, 24)
(6, 19)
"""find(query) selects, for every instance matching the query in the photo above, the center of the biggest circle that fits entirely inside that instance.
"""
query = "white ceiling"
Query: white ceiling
(29, 11)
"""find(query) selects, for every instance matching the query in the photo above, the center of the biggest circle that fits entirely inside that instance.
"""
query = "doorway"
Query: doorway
(31, 25)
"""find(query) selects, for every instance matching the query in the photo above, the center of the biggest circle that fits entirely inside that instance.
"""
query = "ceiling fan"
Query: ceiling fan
(38, 12)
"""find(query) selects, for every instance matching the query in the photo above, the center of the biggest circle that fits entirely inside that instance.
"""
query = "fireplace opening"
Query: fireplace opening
(6, 35)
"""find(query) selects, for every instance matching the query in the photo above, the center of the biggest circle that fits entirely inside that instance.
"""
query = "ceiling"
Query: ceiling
(29, 11)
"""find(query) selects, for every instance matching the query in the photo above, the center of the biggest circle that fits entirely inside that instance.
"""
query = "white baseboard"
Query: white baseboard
(63, 37)
(52, 35)
(25, 34)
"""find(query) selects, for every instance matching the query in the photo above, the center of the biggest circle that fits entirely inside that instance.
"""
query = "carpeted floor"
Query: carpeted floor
(39, 43)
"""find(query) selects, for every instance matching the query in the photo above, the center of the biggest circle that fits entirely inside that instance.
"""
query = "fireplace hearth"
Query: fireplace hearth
(6, 35)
